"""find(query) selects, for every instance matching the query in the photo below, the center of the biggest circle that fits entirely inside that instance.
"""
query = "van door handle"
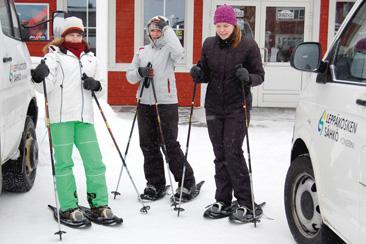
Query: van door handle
(7, 59)
(361, 102)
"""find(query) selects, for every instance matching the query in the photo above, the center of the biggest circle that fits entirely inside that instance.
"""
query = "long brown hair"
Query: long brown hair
(237, 36)
(56, 42)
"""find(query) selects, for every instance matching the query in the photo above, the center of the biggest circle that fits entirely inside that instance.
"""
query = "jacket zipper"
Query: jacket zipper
(82, 91)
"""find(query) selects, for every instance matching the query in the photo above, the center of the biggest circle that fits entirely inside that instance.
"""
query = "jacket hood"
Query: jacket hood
(159, 43)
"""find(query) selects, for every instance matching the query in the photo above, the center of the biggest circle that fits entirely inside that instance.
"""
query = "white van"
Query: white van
(18, 106)
(325, 189)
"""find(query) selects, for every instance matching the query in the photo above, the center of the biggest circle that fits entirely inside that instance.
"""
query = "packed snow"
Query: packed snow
(25, 218)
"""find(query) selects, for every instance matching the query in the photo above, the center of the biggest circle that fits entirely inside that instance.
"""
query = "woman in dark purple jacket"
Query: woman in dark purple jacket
(227, 60)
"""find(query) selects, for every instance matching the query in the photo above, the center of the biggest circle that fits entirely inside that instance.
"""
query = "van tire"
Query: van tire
(302, 207)
(19, 174)
(1, 174)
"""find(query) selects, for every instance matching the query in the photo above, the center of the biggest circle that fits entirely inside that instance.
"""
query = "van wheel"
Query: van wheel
(1, 174)
(302, 206)
(19, 175)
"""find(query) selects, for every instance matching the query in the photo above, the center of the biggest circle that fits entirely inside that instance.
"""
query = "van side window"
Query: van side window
(15, 19)
(350, 56)
(6, 24)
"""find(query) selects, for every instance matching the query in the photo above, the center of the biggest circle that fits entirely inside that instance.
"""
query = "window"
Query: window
(15, 21)
(5, 18)
(342, 9)
(85, 10)
(350, 56)
(174, 10)
(284, 30)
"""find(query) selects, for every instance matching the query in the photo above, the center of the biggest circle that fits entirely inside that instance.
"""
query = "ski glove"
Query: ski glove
(197, 74)
(91, 84)
(40, 72)
(145, 72)
(161, 23)
(242, 74)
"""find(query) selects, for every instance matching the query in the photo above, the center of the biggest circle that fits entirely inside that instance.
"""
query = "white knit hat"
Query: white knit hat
(72, 24)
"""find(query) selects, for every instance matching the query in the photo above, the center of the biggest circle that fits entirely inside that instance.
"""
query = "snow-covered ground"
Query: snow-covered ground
(25, 218)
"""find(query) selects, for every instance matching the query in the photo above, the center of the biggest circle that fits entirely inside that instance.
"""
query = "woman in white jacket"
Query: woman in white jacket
(162, 53)
(71, 73)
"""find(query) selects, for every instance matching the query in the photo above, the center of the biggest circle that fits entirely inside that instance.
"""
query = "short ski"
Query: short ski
(99, 220)
(196, 192)
(235, 220)
(147, 198)
(73, 224)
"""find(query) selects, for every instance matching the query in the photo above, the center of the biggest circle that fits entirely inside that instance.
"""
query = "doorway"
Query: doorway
(277, 27)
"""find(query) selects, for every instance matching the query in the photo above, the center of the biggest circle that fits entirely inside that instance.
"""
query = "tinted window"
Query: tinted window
(350, 56)
(5, 18)
(15, 22)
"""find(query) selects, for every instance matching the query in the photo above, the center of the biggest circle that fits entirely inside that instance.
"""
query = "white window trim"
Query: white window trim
(331, 19)
(138, 35)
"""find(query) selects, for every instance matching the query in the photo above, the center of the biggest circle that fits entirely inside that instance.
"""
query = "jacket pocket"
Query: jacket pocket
(168, 86)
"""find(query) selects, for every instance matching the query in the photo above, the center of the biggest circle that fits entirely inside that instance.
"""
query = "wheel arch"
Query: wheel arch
(298, 148)
(33, 110)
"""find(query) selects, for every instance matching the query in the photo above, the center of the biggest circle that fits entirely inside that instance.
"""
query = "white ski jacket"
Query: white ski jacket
(67, 99)
(163, 54)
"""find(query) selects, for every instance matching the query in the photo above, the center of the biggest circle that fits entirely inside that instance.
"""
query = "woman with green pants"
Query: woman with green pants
(72, 73)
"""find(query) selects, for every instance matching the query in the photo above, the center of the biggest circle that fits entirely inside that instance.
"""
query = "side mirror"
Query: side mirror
(58, 18)
(306, 57)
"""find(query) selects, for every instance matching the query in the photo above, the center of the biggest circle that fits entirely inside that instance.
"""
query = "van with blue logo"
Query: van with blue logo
(325, 187)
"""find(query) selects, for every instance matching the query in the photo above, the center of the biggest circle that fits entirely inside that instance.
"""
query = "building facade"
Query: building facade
(116, 29)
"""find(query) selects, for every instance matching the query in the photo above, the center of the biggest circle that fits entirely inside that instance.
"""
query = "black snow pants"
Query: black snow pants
(227, 133)
(150, 143)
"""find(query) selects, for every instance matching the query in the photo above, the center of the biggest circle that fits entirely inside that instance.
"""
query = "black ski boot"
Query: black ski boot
(153, 193)
(243, 214)
(217, 210)
(188, 193)
(101, 215)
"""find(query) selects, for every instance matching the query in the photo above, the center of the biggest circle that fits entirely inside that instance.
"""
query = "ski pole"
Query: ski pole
(144, 208)
(187, 146)
(115, 193)
(59, 232)
(163, 145)
(248, 147)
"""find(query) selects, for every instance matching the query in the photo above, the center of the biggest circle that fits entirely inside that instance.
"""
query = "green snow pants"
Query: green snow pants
(64, 136)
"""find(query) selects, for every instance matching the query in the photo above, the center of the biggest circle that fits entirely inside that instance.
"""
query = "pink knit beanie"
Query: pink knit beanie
(225, 14)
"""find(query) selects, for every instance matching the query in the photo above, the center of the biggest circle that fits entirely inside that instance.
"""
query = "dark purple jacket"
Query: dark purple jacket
(218, 62)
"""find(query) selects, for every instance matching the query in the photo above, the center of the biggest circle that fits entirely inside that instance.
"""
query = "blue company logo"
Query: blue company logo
(321, 123)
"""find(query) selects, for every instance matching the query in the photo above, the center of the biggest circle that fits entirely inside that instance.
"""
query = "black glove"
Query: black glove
(197, 74)
(162, 23)
(144, 71)
(40, 72)
(242, 74)
(91, 84)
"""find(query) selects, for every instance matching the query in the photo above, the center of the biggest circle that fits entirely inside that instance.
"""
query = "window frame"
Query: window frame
(86, 23)
(335, 50)
(188, 33)
(331, 18)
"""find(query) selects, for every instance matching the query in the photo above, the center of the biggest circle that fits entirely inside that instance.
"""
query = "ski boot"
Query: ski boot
(217, 210)
(188, 193)
(243, 214)
(73, 217)
(153, 193)
(101, 215)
